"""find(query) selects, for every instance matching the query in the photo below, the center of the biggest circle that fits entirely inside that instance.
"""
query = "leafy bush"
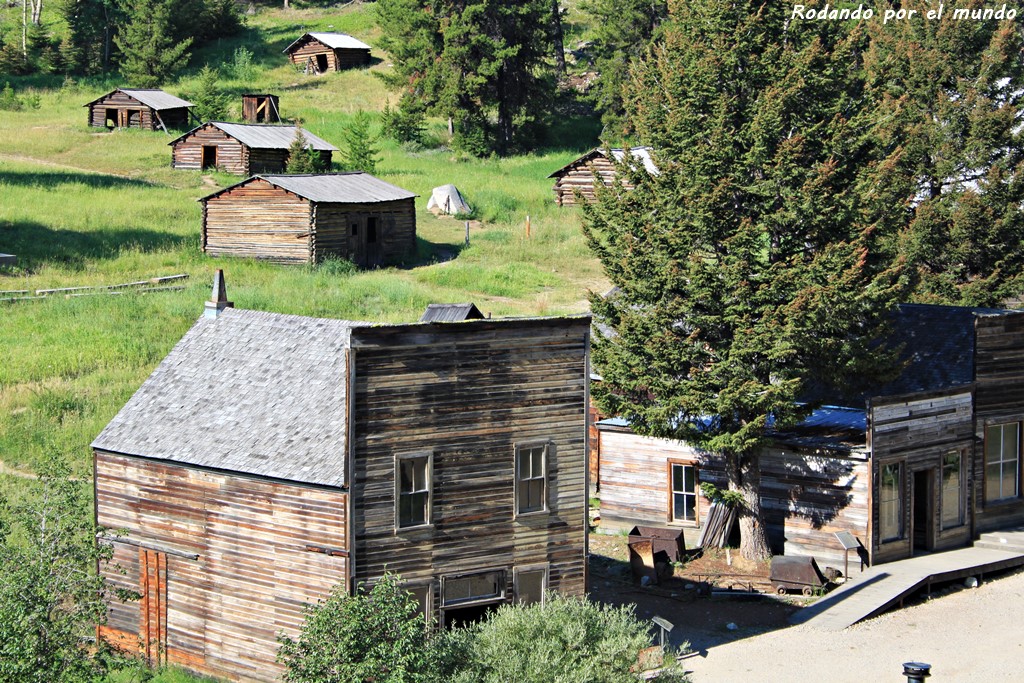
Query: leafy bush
(242, 66)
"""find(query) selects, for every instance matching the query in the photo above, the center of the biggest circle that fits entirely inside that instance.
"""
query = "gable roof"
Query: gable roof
(263, 135)
(152, 98)
(240, 391)
(332, 40)
(643, 154)
(446, 313)
(354, 187)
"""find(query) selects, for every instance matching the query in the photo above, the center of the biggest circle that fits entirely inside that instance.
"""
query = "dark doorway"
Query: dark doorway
(110, 119)
(924, 507)
(321, 63)
(466, 616)
(372, 241)
(209, 156)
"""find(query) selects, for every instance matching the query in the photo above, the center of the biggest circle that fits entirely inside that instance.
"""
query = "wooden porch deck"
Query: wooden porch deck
(878, 588)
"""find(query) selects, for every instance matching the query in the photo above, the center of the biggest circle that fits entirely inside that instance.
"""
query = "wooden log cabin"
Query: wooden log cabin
(924, 463)
(318, 53)
(307, 218)
(139, 108)
(579, 176)
(242, 148)
(260, 108)
(250, 478)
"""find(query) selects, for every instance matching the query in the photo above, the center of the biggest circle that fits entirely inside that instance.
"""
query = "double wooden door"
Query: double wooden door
(153, 606)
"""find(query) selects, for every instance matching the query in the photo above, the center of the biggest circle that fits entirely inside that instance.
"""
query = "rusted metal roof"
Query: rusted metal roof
(446, 313)
(264, 135)
(154, 99)
(247, 391)
(332, 40)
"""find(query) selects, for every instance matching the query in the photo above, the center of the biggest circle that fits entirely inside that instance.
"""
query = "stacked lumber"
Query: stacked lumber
(717, 526)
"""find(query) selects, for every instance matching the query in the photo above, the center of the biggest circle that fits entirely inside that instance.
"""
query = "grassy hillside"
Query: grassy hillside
(83, 206)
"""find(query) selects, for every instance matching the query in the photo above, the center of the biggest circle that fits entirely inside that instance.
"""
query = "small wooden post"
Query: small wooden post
(527, 226)
(467, 233)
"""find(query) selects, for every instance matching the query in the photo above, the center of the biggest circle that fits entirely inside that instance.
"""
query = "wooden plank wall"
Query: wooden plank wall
(396, 232)
(918, 431)
(232, 156)
(337, 60)
(469, 392)
(253, 573)
(119, 100)
(805, 497)
(580, 177)
(267, 161)
(999, 398)
(258, 220)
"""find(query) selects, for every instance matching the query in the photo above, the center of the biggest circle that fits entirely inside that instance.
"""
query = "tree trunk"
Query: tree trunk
(24, 29)
(557, 37)
(744, 473)
(37, 11)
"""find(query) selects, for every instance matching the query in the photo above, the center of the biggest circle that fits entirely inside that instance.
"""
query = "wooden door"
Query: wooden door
(153, 606)
(357, 239)
(122, 118)
(373, 240)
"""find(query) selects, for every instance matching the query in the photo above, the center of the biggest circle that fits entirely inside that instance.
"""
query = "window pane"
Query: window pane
(530, 586)
(677, 478)
(1009, 489)
(531, 479)
(690, 474)
(407, 476)
(993, 443)
(475, 587)
(951, 491)
(992, 482)
(890, 507)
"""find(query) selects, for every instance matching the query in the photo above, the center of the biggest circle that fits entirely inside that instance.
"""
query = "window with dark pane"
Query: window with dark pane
(413, 491)
(890, 502)
(1002, 461)
(531, 478)
(482, 586)
(952, 490)
(530, 586)
(684, 493)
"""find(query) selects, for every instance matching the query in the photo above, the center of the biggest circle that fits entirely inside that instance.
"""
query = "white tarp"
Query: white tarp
(448, 200)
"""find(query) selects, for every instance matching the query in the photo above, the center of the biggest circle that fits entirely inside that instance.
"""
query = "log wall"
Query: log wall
(918, 431)
(470, 392)
(580, 178)
(337, 59)
(258, 220)
(232, 155)
(229, 567)
(146, 118)
(999, 398)
(396, 232)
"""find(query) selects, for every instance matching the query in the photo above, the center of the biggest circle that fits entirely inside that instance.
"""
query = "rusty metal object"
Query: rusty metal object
(796, 573)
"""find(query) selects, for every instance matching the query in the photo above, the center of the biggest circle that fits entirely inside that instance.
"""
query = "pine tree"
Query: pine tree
(210, 102)
(745, 267)
(149, 53)
(360, 151)
(300, 156)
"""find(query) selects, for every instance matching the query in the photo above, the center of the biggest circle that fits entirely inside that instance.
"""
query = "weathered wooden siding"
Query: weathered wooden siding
(580, 178)
(147, 118)
(469, 392)
(396, 231)
(258, 220)
(237, 565)
(260, 109)
(918, 431)
(232, 155)
(337, 60)
(999, 398)
(594, 448)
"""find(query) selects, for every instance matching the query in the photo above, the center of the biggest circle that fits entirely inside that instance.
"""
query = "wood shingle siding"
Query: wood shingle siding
(252, 572)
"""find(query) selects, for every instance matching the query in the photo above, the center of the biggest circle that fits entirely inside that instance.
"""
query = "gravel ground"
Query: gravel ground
(966, 635)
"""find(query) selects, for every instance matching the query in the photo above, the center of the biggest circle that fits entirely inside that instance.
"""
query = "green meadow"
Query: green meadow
(82, 206)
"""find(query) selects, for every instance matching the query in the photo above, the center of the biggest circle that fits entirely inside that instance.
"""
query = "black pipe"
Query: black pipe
(916, 672)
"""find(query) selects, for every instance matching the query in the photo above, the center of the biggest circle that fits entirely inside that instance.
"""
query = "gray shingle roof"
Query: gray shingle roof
(155, 99)
(266, 136)
(333, 41)
(262, 393)
(342, 188)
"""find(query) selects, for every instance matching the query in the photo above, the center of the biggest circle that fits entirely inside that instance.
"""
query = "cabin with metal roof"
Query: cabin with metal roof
(578, 176)
(139, 108)
(922, 463)
(307, 218)
(243, 148)
(318, 53)
(269, 458)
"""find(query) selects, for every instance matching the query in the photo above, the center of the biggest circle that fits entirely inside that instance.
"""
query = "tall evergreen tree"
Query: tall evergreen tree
(149, 53)
(947, 116)
(211, 104)
(360, 149)
(746, 267)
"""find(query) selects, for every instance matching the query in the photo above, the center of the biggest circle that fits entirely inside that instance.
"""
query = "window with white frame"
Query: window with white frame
(952, 490)
(1002, 461)
(890, 501)
(531, 478)
(684, 492)
(413, 473)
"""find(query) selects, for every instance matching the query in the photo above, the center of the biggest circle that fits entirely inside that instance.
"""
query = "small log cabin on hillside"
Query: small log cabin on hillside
(138, 108)
(319, 53)
(925, 463)
(242, 148)
(251, 478)
(261, 108)
(307, 218)
(578, 176)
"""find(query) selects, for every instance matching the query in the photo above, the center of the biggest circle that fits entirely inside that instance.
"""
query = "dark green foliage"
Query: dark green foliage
(377, 635)
(404, 123)
(50, 595)
(12, 60)
(623, 32)
(570, 640)
(91, 28)
(211, 104)
(301, 157)
(8, 100)
(360, 151)
(150, 54)
(483, 64)
(750, 265)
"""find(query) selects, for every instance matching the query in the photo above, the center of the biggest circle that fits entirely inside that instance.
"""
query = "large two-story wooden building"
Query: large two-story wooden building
(924, 463)
(271, 457)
